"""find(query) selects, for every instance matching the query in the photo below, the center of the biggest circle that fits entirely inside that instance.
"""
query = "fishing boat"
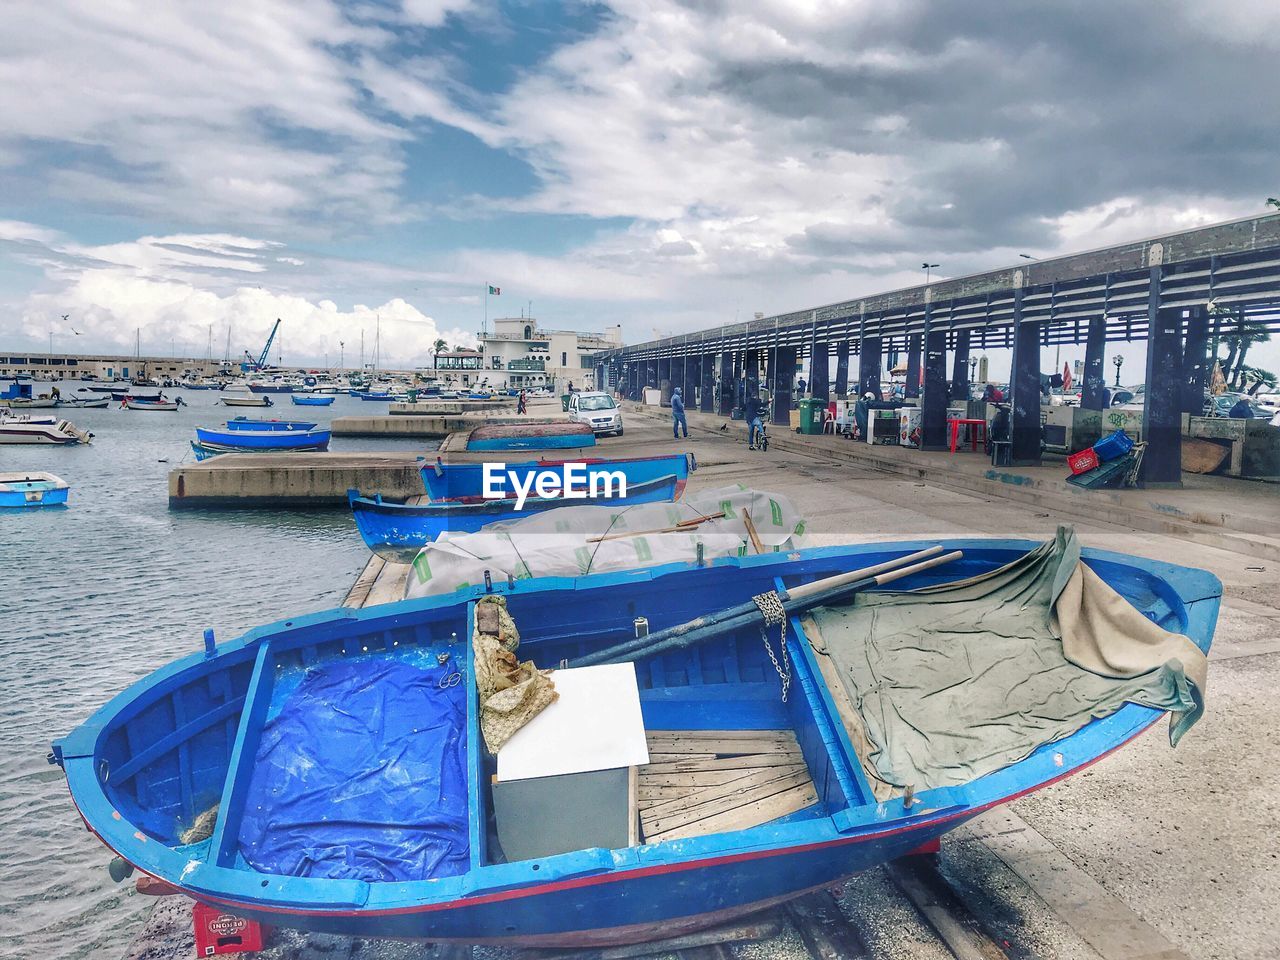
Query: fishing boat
(42, 430)
(206, 451)
(28, 403)
(229, 774)
(262, 440)
(85, 398)
(531, 436)
(24, 490)
(156, 403)
(303, 400)
(239, 395)
(259, 425)
(397, 531)
(465, 481)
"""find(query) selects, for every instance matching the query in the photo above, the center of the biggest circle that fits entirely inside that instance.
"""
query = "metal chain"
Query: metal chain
(771, 609)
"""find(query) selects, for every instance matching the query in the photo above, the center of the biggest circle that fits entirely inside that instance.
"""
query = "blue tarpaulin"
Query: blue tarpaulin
(362, 776)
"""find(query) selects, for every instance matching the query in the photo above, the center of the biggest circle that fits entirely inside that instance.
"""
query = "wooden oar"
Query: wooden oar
(746, 612)
(678, 528)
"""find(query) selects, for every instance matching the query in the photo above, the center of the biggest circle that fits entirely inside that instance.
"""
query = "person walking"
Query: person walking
(751, 414)
(678, 420)
(522, 404)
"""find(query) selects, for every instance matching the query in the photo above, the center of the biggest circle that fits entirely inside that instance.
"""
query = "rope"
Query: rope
(774, 614)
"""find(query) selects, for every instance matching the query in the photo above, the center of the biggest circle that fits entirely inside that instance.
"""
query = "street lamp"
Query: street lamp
(973, 365)
(1119, 362)
(341, 353)
(926, 267)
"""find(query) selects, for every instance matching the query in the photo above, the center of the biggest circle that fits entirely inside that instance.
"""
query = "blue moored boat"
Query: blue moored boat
(265, 439)
(465, 481)
(258, 424)
(531, 436)
(398, 531)
(190, 774)
(303, 400)
(32, 489)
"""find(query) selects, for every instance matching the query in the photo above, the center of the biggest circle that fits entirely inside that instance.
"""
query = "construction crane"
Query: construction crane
(250, 365)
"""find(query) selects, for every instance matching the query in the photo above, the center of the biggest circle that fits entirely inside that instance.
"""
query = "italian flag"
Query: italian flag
(495, 291)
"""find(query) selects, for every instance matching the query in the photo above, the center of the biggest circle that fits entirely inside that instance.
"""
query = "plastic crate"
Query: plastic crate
(1084, 461)
(1113, 446)
(219, 933)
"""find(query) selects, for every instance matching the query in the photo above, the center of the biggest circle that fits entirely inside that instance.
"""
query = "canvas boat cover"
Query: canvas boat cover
(362, 776)
(556, 542)
(959, 680)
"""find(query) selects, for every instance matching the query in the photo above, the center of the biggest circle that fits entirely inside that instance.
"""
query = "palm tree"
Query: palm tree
(437, 348)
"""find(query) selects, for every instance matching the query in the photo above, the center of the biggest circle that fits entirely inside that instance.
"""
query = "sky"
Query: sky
(185, 173)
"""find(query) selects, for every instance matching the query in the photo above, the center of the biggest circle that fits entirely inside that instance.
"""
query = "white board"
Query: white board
(595, 725)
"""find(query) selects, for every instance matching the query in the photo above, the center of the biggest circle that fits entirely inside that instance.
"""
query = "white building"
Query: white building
(518, 353)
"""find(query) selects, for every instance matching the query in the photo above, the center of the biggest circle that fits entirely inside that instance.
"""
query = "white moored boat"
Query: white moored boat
(239, 395)
(42, 430)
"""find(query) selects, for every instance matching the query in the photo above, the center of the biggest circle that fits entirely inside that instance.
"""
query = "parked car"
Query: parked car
(598, 410)
(1221, 405)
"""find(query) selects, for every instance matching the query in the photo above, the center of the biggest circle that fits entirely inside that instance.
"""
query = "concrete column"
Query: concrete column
(913, 365)
(1162, 411)
(602, 382)
(692, 378)
(869, 366)
(933, 402)
(1024, 387)
(1195, 361)
(707, 398)
(783, 373)
(960, 367)
(664, 377)
(728, 384)
(820, 371)
(842, 368)
(1095, 357)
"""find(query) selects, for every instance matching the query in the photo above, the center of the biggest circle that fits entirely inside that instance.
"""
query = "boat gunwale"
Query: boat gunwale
(1197, 590)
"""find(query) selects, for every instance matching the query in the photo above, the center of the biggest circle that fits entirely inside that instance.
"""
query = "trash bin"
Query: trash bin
(564, 401)
(811, 410)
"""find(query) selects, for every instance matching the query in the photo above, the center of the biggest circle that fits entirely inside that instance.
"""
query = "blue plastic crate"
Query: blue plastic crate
(1113, 446)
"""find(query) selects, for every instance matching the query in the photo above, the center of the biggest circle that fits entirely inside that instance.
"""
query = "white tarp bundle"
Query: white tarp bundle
(559, 542)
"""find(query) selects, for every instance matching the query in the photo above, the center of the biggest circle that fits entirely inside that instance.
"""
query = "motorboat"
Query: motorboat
(20, 490)
(240, 395)
(41, 430)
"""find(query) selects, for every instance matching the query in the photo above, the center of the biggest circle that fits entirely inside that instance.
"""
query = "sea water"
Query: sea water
(100, 593)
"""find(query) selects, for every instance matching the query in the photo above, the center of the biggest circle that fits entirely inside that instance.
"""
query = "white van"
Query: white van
(598, 410)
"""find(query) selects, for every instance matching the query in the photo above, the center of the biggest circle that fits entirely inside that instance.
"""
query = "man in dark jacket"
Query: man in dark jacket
(677, 414)
(751, 414)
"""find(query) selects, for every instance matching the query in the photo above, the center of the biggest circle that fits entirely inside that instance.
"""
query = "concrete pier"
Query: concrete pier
(419, 426)
(291, 479)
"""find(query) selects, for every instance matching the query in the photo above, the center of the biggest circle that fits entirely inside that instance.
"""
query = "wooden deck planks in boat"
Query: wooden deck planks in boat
(746, 761)
(778, 798)
(684, 792)
(687, 801)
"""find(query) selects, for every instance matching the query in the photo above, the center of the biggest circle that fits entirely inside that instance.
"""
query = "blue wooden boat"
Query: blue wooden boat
(174, 774)
(206, 451)
(398, 531)
(265, 439)
(23, 490)
(465, 481)
(259, 424)
(531, 436)
(302, 400)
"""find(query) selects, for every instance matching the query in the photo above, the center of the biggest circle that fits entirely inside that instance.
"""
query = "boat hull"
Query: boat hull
(243, 424)
(255, 401)
(205, 451)
(586, 897)
(265, 440)
(311, 401)
(465, 481)
(23, 492)
(398, 531)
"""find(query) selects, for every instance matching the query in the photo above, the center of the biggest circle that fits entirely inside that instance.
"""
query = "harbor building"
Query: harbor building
(76, 366)
(520, 354)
